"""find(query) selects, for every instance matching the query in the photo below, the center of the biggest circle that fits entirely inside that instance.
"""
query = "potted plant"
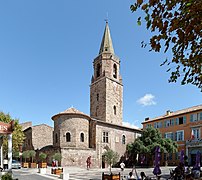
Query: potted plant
(25, 155)
(110, 157)
(57, 158)
(32, 154)
(42, 157)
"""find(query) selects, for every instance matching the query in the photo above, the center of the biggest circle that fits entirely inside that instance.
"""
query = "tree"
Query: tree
(146, 143)
(110, 157)
(26, 155)
(176, 25)
(42, 156)
(32, 154)
(17, 135)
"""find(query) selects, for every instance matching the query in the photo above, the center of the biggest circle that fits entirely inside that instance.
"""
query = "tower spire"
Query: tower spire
(106, 44)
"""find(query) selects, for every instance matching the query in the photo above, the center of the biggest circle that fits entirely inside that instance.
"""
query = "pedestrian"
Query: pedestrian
(130, 176)
(88, 162)
(5, 163)
(122, 165)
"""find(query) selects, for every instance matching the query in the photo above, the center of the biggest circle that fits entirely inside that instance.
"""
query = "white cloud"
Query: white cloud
(147, 100)
(127, 124)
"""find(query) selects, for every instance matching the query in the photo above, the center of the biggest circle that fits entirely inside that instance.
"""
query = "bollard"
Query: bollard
(65, 174)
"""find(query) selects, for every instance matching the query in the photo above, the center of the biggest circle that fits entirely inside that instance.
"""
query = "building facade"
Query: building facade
(184, 127)
(37, 137)
(77, 135)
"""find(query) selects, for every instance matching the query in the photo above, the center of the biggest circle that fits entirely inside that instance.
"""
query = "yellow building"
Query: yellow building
(184, 127)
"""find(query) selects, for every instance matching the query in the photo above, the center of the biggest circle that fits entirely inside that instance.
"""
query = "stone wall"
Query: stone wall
(27, 145)
(114, 98)
(78, 157)
(115, 135)
(42, 135)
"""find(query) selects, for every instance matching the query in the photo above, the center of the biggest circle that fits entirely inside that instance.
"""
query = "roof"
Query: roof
(70, 111)
(176, 113)
(138, 130)
(106, 44)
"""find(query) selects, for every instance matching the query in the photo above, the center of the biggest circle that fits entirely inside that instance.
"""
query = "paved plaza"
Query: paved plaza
(93, 174)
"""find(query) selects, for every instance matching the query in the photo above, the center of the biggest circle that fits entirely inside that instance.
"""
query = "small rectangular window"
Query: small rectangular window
(105, 137)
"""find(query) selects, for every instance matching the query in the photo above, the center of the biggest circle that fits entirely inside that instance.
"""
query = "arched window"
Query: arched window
(98, 70)
(114, 110)
(56, 138)
(123, 139)
(82, 137)
(68, 137)
(115, 71)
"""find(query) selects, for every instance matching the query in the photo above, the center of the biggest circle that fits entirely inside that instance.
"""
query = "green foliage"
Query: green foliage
(7, 176)
(110, 157)
(176, 28)
(57, 156)
(42, 156)
(26, 155)
(17, 135)
(151, 138)
(16, 154)
(32, 154)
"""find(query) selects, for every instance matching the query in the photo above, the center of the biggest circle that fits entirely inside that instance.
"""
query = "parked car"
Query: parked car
(16, 164)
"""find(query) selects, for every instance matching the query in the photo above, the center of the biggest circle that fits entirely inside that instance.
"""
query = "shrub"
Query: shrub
(7, 176)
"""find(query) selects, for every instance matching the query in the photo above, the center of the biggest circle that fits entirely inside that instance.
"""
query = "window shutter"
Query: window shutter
(176, 136)
(160, 125)
(165, 124)
(172, 136)
(200, 116)
(191, 118)
(183, 135)
(172, 122)
(177, 121)
(184, 119)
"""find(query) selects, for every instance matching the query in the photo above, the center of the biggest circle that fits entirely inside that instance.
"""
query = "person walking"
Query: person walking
(88, 162)
(122, 165)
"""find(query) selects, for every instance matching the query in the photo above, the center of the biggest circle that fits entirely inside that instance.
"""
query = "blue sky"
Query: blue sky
(46, 52)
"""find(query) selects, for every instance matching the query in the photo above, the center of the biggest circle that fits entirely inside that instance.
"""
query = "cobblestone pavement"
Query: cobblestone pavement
(96, 174)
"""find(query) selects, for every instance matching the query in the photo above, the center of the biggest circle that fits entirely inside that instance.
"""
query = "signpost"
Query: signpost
(7, 129)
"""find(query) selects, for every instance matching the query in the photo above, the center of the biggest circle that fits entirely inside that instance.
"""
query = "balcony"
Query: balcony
(196, 141)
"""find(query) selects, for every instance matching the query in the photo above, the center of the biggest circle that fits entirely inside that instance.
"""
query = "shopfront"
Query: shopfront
(192, 147)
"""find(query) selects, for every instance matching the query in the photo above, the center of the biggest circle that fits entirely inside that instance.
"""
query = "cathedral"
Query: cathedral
(77, 135)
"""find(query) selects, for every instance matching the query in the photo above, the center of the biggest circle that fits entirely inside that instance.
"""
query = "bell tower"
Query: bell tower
(106, 89)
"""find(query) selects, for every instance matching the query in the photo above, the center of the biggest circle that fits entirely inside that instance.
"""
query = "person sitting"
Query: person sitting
(196, 172)
(130, 176)
(143, 176)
